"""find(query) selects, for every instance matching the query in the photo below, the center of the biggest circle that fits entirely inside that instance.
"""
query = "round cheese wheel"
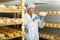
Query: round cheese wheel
(16, 34)
(51, 25)
(2, 6)
(55, 25)
(42, 13)
(2, 35)
(54, 12)
(12, 7)
(1, 21)
(9, 35)
(8, 21)
(47, 24)
(50, 12)
(21, 7)
(58, 12)
(58, 25)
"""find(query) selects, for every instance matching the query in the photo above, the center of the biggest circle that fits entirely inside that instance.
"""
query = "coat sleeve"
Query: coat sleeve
(40, 23)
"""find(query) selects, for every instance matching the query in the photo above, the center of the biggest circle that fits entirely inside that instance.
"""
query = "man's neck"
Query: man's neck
(30, 14)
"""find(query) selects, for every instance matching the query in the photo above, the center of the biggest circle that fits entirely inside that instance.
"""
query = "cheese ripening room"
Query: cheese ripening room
(29, 19)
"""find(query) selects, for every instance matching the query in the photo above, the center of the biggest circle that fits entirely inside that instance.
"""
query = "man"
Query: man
(31, 27)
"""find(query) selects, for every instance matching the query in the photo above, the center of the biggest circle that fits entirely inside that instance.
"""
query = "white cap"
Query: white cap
(30, 5)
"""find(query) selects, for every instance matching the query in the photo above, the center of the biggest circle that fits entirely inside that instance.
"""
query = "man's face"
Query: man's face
(31, 10)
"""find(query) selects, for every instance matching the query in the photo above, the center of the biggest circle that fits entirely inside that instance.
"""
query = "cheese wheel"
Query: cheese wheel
(55, 25)
(20, 20)
(14, 21)
(47, 36)
(21, 7)
(22, 33)
(58, 12)
(47, 24)
(54, 12)
(17, 21)
(9, 35)
(4, 19)
(44, 36)
(52, 37)
(47, 12)
(2, 35)
(42, 13)
(1, 21)
(58, 25)
(57, 38)
(2, 6)
(16, 34)
(12, 7)
(40, 35)
(50, 12)
(8, 21)
(51, 25)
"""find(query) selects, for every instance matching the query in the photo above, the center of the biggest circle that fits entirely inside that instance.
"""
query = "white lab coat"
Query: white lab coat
(31, 28)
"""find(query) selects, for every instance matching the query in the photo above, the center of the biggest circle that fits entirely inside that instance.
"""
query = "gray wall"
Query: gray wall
(50, 18)
(47, 7)
(50, 5)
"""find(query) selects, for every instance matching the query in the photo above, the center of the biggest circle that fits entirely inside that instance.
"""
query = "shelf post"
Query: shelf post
(22, 3)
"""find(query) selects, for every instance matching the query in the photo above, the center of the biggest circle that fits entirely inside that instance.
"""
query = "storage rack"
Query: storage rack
(50, 35)
(18, 13)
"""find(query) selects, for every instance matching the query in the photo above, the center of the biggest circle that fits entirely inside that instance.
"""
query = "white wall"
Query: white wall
(30, 1)
(18, 2)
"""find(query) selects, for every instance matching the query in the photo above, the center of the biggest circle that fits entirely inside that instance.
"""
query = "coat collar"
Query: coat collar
(33, 15)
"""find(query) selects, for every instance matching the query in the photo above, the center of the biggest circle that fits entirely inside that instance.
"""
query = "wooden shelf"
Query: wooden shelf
(48, 35)
(10, 21)
(12, 31)
(4, 38)
(2, 25)
(40, 2)
(53, 12)
(52, 25)
(11, 11)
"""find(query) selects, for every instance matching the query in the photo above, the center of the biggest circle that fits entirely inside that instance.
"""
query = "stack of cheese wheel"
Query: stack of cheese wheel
(58, 25)
(47, 35)
(10, 21)
(21, 7)
(2, 35)
(2, 7)
(11, 33)
(12, 7)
